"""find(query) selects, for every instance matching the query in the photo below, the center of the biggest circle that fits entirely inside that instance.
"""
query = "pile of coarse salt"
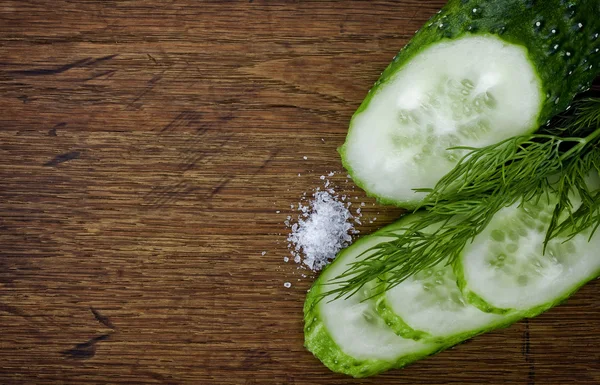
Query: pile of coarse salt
(324, 227)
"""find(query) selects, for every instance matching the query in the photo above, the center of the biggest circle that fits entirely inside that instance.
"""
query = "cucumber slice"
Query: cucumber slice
(359, 337)
(505, 269)
(347, 335)
(439, 101)
(430, 307)
(477, 73)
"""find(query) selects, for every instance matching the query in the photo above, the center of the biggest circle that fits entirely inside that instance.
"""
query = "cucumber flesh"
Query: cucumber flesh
(534, 56)
(347, 335)
(429, 306)
(473, 91)
(426, 313)
(504, 269)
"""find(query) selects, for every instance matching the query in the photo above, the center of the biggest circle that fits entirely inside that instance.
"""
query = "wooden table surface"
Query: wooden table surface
(149, 154)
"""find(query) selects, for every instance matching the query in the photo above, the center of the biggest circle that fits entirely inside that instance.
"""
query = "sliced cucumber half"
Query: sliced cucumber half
(442, 306)
(348, 335)
(472, 91)
(429, 306)
(506, 270)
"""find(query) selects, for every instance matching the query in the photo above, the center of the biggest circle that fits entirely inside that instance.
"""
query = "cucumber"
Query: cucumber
(477, 73)
(347, 335)
(371, 332)
(505, 269)
(430, 307)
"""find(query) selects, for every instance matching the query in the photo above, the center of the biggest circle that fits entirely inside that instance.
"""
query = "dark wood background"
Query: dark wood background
(145, 149)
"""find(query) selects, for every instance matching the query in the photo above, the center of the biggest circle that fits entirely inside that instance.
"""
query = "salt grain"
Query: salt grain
(287, 285)
(323, 229)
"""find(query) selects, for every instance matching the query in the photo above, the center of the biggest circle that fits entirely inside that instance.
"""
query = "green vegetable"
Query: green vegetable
(430, 307)
(477, 73)
(506, 270)
(371, 332)
(448, 129)
(486, 180)
(347, 335)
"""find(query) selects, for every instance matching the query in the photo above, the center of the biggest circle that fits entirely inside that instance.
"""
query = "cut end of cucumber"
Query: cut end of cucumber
(431, 303)
(506, 267)
(348, 335)
(473, 91)
(371, 337)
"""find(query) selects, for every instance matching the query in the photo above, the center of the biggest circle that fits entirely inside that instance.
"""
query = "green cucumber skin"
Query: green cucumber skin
(471, 297)
(318, 341)
(482, 305)
(402, 329)
(514, 21)
(396, 323)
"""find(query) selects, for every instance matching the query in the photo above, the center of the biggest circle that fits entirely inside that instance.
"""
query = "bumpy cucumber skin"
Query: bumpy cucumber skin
(562, 49)
(318, 341)
(482, 305)
(396, 323)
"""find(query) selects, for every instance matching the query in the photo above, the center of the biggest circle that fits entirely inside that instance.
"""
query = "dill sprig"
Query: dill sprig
(520, 169)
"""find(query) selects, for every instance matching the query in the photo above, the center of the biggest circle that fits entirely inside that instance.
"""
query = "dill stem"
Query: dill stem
(582, 143)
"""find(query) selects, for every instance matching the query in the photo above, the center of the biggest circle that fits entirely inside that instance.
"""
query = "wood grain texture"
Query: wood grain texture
(145, 149)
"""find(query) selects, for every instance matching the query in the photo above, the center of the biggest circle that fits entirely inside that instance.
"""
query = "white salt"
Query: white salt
(287, 285)
(263, 253)
(322, 231)
(305, 157)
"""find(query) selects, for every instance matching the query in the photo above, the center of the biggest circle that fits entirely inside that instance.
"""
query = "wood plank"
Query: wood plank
(146, 148)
